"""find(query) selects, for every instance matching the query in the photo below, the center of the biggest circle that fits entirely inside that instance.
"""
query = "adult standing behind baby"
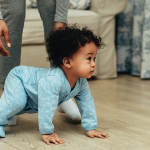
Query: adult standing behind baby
(12, 15)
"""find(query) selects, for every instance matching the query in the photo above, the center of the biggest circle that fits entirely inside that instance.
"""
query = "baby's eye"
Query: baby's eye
(89, 58)
(94, 58)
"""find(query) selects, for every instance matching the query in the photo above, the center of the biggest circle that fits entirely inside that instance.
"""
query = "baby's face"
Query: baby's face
(83, 61)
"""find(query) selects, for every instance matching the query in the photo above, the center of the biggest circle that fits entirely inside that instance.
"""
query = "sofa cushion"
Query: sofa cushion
(31, 4)
(80, 4)
(32, 15)
(33, 32)
(73, 4)
(84, 18)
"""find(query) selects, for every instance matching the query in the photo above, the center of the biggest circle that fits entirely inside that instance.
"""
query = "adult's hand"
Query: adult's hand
(4, 32)
(59, 25)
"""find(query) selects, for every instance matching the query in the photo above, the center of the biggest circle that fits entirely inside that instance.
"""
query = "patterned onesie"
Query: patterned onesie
(32, 90)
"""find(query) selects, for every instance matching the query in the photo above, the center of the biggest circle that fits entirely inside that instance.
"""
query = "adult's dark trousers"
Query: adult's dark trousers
(13, 12)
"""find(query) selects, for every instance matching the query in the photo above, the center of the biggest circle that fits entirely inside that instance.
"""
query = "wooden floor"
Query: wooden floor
(123, 111)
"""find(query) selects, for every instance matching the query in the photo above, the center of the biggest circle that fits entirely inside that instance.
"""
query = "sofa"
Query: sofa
(100, 18)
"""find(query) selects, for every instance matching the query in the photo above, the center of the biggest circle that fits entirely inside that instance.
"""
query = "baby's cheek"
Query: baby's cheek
(85, 69)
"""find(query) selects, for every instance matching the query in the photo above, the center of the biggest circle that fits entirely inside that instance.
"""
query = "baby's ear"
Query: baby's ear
(66, 62)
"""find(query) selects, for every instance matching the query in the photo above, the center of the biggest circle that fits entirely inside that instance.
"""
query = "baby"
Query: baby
(38, 90)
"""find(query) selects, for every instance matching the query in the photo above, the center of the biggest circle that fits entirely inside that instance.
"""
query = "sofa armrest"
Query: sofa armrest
(113, 6)
(106, 58)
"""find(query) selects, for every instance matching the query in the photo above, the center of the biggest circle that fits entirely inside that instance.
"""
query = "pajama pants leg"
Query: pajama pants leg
(13, 12)
(12, 101)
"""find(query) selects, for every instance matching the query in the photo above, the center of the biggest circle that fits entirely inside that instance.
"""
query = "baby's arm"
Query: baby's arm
(52, 138)
(48, 95)
(87, 109)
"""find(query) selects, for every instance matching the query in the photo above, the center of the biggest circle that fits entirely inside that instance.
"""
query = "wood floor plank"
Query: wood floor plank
(6, 146)
(123, 111)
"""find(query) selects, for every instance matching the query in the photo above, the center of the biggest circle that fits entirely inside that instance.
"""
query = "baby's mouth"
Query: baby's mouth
(92, 71)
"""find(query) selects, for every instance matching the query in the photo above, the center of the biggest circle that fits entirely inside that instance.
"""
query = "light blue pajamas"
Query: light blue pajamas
(32, 90)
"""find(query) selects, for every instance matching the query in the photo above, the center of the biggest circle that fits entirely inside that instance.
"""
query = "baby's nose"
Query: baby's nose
(93, 64)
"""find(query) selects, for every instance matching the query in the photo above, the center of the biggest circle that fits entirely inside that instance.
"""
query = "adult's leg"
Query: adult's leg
(13, 12)
(12, 101)
(47, 9)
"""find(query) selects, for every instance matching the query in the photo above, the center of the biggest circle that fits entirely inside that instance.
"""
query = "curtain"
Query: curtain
(133, 39)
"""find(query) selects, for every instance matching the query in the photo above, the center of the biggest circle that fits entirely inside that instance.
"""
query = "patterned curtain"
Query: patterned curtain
(133, 39)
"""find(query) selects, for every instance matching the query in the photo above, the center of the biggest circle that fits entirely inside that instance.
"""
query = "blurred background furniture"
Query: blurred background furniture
(100, 17)
(133, 39)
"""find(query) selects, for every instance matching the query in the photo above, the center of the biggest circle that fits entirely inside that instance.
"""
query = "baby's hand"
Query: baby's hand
(52, 138)
(94, 133)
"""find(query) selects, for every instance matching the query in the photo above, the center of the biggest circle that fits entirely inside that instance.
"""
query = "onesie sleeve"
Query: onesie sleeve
(61, 11)
(1, 17)
(48, 95)
(86, 107)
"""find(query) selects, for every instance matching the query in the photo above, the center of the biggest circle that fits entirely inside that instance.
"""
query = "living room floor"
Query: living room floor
(123, 111)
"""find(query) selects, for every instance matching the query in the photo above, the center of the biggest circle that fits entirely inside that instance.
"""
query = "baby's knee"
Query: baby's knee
(19, 105)
(14, 108)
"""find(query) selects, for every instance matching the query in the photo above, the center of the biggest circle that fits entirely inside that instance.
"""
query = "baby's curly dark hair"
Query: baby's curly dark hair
(64, 42)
